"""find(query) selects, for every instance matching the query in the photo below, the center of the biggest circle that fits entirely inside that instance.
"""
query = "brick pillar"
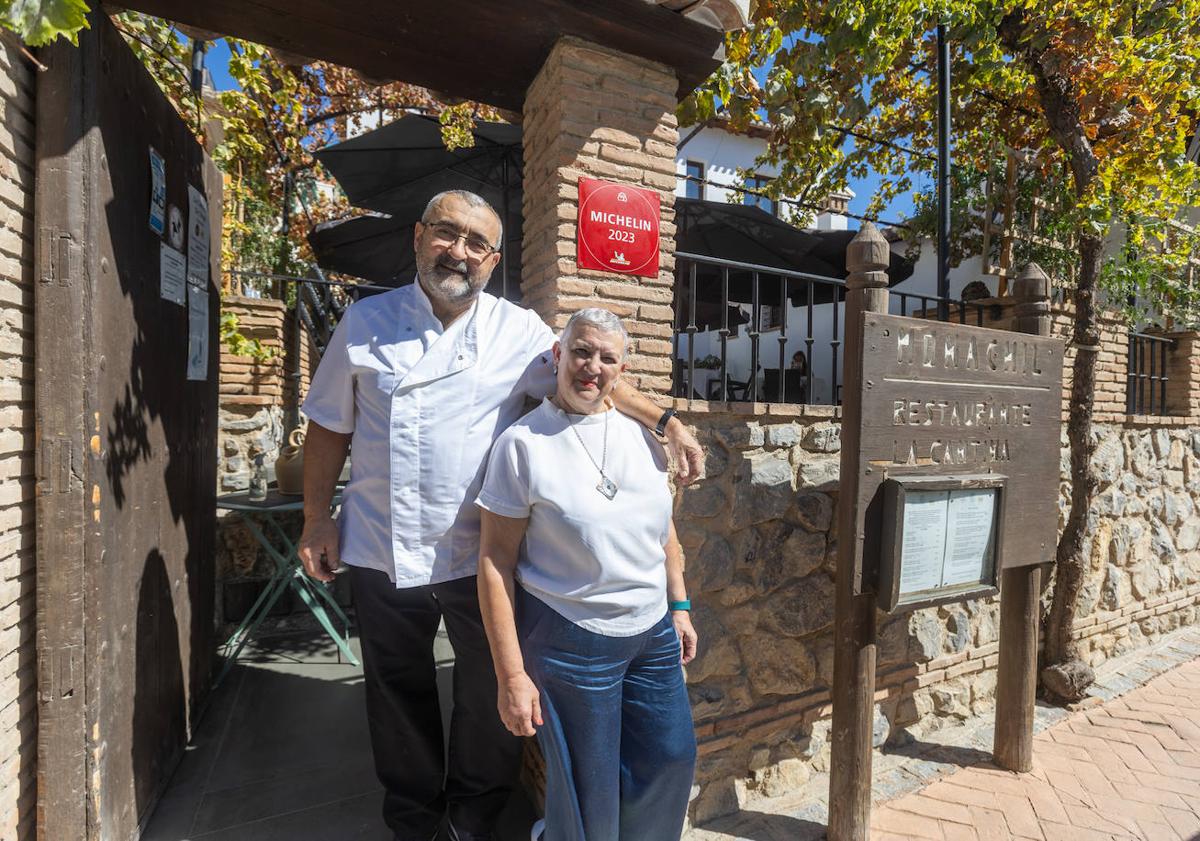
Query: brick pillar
(599, 113)
(1183, 375)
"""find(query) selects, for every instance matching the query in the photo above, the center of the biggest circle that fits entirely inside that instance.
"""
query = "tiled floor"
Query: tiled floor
(282, 754)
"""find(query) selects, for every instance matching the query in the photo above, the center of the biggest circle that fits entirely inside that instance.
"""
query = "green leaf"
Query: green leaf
(39, 22)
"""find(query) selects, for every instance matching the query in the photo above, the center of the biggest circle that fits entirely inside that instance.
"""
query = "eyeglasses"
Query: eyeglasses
(446, 235)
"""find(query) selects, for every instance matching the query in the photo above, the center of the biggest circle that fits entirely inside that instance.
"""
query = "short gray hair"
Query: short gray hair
(468, 198)
(602, 320)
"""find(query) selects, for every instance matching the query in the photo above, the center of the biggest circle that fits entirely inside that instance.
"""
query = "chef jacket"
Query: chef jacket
(424, 404)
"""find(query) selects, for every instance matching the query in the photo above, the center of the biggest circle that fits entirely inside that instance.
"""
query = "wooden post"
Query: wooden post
(854, 615)
(1020, 587)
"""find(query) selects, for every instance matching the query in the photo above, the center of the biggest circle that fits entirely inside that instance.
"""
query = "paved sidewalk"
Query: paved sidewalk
(944, 786)
(1127, 768)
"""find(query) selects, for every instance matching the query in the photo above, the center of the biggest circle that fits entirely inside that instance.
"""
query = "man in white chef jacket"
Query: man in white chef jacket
(419, 381)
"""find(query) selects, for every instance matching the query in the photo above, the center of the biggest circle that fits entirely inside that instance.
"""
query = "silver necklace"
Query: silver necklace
(606, 485)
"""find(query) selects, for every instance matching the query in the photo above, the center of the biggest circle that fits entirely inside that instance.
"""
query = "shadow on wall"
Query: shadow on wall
(159, 711)
(148, 576)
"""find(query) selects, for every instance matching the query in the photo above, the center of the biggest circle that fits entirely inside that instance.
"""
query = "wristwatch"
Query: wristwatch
(661, 429)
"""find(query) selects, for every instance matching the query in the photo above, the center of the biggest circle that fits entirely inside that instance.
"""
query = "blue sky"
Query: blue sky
(217, 62)
(900, 209)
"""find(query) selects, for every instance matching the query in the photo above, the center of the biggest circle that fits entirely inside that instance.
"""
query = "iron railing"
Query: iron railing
(731, 287)
(320, 303)
(1146, 374)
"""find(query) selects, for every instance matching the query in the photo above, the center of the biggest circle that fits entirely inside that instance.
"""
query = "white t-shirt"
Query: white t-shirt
(598, 562)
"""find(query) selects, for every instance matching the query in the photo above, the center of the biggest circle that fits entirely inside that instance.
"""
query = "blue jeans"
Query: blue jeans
(618, 739)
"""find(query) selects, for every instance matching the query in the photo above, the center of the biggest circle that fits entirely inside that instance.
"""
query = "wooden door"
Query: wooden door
(126, 444)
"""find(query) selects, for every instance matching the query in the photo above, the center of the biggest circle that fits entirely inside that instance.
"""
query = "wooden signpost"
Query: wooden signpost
(950, 456)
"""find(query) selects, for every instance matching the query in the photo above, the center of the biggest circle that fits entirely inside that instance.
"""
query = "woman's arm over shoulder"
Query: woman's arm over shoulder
(684, 448)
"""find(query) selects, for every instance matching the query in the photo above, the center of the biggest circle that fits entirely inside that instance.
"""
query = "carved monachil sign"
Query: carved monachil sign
(618, 228)
(959, 457)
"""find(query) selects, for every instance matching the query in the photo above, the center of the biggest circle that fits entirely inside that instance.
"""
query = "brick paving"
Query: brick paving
(1128, 768)
(955, 760)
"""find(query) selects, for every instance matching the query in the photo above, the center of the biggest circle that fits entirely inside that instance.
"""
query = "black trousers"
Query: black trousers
(397, 629)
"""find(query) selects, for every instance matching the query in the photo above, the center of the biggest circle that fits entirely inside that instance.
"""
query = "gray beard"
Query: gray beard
(451, 288)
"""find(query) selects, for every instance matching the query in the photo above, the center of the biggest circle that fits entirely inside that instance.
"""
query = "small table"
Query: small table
(289, 572)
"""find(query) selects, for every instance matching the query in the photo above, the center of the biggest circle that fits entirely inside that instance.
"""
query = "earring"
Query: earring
(556, 369)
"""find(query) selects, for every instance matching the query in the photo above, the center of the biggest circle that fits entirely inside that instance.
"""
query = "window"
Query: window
(694, 186)
(769, 318)
(756, 184)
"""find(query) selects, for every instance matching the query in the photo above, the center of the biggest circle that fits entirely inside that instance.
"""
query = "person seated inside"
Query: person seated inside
(800, 363)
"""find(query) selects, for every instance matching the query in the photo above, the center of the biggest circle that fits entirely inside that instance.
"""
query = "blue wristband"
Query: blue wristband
(686, 604)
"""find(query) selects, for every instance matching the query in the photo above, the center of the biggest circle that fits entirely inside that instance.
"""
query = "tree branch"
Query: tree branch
(1059, 105)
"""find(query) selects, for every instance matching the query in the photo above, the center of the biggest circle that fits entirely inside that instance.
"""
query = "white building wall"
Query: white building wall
(924, 276)
(723, 153)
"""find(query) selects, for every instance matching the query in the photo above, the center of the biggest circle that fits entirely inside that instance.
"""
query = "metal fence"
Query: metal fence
(720, 303)
(1146, 374)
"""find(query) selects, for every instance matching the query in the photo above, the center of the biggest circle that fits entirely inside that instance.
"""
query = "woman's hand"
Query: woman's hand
(687, 635)
(519, 705)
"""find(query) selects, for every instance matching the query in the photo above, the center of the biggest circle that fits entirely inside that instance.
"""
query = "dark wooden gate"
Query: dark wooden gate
(126, 445)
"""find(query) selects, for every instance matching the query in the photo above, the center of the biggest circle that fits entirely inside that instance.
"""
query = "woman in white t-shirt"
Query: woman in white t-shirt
(588, 648)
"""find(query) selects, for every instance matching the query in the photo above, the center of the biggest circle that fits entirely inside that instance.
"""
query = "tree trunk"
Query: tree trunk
(1060, 648)
(1065, 675)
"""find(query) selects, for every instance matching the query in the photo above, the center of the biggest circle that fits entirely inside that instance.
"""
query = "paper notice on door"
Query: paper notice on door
(197, 361)
(172, 270)
(924, 541)
(970, 535)
(197, 245)
(158, 191)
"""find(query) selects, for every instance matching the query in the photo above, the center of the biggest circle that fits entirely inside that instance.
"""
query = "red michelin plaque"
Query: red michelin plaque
(618, 228)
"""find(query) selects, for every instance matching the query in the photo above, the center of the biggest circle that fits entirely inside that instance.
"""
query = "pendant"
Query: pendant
(607, 487)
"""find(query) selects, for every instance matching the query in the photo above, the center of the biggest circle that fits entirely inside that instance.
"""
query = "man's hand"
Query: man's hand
(520, 708)
(687, 635)
(318, 548)
(685, 451)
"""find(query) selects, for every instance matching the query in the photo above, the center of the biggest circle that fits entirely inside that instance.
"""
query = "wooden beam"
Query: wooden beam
(488, 52)
(1021, 587)
(854, 635)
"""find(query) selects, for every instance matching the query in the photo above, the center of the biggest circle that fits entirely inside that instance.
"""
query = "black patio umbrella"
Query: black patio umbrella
(395, 170)
(748, 234)
(379, 249)
(372, 246)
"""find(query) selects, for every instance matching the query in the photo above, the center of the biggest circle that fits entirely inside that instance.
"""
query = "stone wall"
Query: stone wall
(18, 700)
(251, 391)
(760, 536)
(256, 400)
